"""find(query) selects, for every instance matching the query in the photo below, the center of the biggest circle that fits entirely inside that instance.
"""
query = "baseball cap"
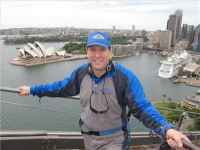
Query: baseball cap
(99, 38)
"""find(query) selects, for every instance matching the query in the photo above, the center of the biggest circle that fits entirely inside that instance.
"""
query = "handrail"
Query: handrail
(15, 90)
(23, 140)
(189, 145)
(11, 90)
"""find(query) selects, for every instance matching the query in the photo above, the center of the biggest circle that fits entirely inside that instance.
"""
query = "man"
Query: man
(106, 90)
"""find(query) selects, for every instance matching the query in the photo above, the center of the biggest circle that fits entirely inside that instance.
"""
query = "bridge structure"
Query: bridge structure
(49, 140)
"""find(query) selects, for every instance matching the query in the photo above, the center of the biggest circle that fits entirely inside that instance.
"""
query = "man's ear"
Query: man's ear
(110, 55)
(86, 49)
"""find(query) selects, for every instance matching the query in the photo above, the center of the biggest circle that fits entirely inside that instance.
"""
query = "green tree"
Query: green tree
(71, 47)
(120, 40)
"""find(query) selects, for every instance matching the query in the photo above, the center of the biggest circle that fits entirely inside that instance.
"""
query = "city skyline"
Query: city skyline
(145, 14)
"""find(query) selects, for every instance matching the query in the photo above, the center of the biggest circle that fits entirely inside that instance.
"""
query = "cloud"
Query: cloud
(148, 14)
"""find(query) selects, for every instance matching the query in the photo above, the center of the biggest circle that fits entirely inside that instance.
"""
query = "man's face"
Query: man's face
(98, 57)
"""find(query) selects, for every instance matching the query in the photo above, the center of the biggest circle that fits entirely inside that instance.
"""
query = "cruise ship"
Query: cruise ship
(171, 66)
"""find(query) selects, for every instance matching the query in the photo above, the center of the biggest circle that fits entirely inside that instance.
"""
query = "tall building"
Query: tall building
(156, 39)
(179, 15)
(196, 41)
(171, 26)
(133, 29)
(114, 29)
(184, 31)
(188, 32)
(162, 40)
(165, 39)
(174, 25)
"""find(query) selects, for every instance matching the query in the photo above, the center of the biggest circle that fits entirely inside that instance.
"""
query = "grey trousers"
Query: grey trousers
(112, 142)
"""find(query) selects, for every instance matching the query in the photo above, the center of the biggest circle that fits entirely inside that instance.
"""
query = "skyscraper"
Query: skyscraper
(171, 26)
(133, 29)
(174, 25)
(179, 15)
(196, 41)
(188, 32)
(184, 31)
(165, 40)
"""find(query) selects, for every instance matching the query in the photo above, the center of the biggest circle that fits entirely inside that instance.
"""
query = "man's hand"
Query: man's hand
(24, 90)
(175, 139)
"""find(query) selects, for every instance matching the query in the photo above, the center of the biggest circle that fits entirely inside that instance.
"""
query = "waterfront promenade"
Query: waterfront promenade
(28, 62)
(187, 81)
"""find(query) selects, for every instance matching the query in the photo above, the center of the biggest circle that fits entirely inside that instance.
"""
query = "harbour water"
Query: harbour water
(62, 114)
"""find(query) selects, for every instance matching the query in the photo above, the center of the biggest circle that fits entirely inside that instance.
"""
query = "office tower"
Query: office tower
(174, 25)
(114, 28)
(162, 40)
(184, 31)
(165, 39)
(179, 15)
(196, 41)
(133, 28)
(190, 33)
(171, 26)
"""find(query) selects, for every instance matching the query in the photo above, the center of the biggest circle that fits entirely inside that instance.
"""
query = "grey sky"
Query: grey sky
(144, 14)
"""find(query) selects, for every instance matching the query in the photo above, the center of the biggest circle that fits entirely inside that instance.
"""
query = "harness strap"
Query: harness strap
(103, 133)
(100, 133)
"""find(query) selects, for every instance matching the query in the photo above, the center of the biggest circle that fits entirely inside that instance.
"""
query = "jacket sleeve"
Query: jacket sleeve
(143, 109)
(70, 86)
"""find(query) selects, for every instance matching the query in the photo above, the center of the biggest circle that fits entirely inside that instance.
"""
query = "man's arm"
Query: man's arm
(149, 115)
(70, 86)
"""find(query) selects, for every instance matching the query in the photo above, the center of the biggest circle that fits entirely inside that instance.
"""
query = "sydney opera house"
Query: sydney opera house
(36, 54)
(37, 50)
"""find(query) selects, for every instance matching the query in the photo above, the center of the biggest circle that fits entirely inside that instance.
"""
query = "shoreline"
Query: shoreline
(28, 62)
(188, 81)
(16, 60)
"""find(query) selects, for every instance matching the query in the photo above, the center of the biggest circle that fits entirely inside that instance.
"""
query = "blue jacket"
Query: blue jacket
(128, 89)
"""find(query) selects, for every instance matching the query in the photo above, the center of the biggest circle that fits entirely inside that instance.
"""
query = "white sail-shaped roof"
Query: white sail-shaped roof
(37, 51)
(29, 51)
(41, 47)
(21, 52)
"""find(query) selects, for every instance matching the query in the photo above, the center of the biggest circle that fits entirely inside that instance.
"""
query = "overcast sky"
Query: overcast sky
(144, 14)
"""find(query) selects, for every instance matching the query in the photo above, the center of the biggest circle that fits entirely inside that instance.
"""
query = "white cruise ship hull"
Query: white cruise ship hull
(167, 75)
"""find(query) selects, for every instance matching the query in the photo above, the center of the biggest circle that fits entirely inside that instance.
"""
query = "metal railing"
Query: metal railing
(42, 140)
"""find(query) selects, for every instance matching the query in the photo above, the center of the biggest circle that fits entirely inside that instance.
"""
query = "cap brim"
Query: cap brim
(98, 44)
